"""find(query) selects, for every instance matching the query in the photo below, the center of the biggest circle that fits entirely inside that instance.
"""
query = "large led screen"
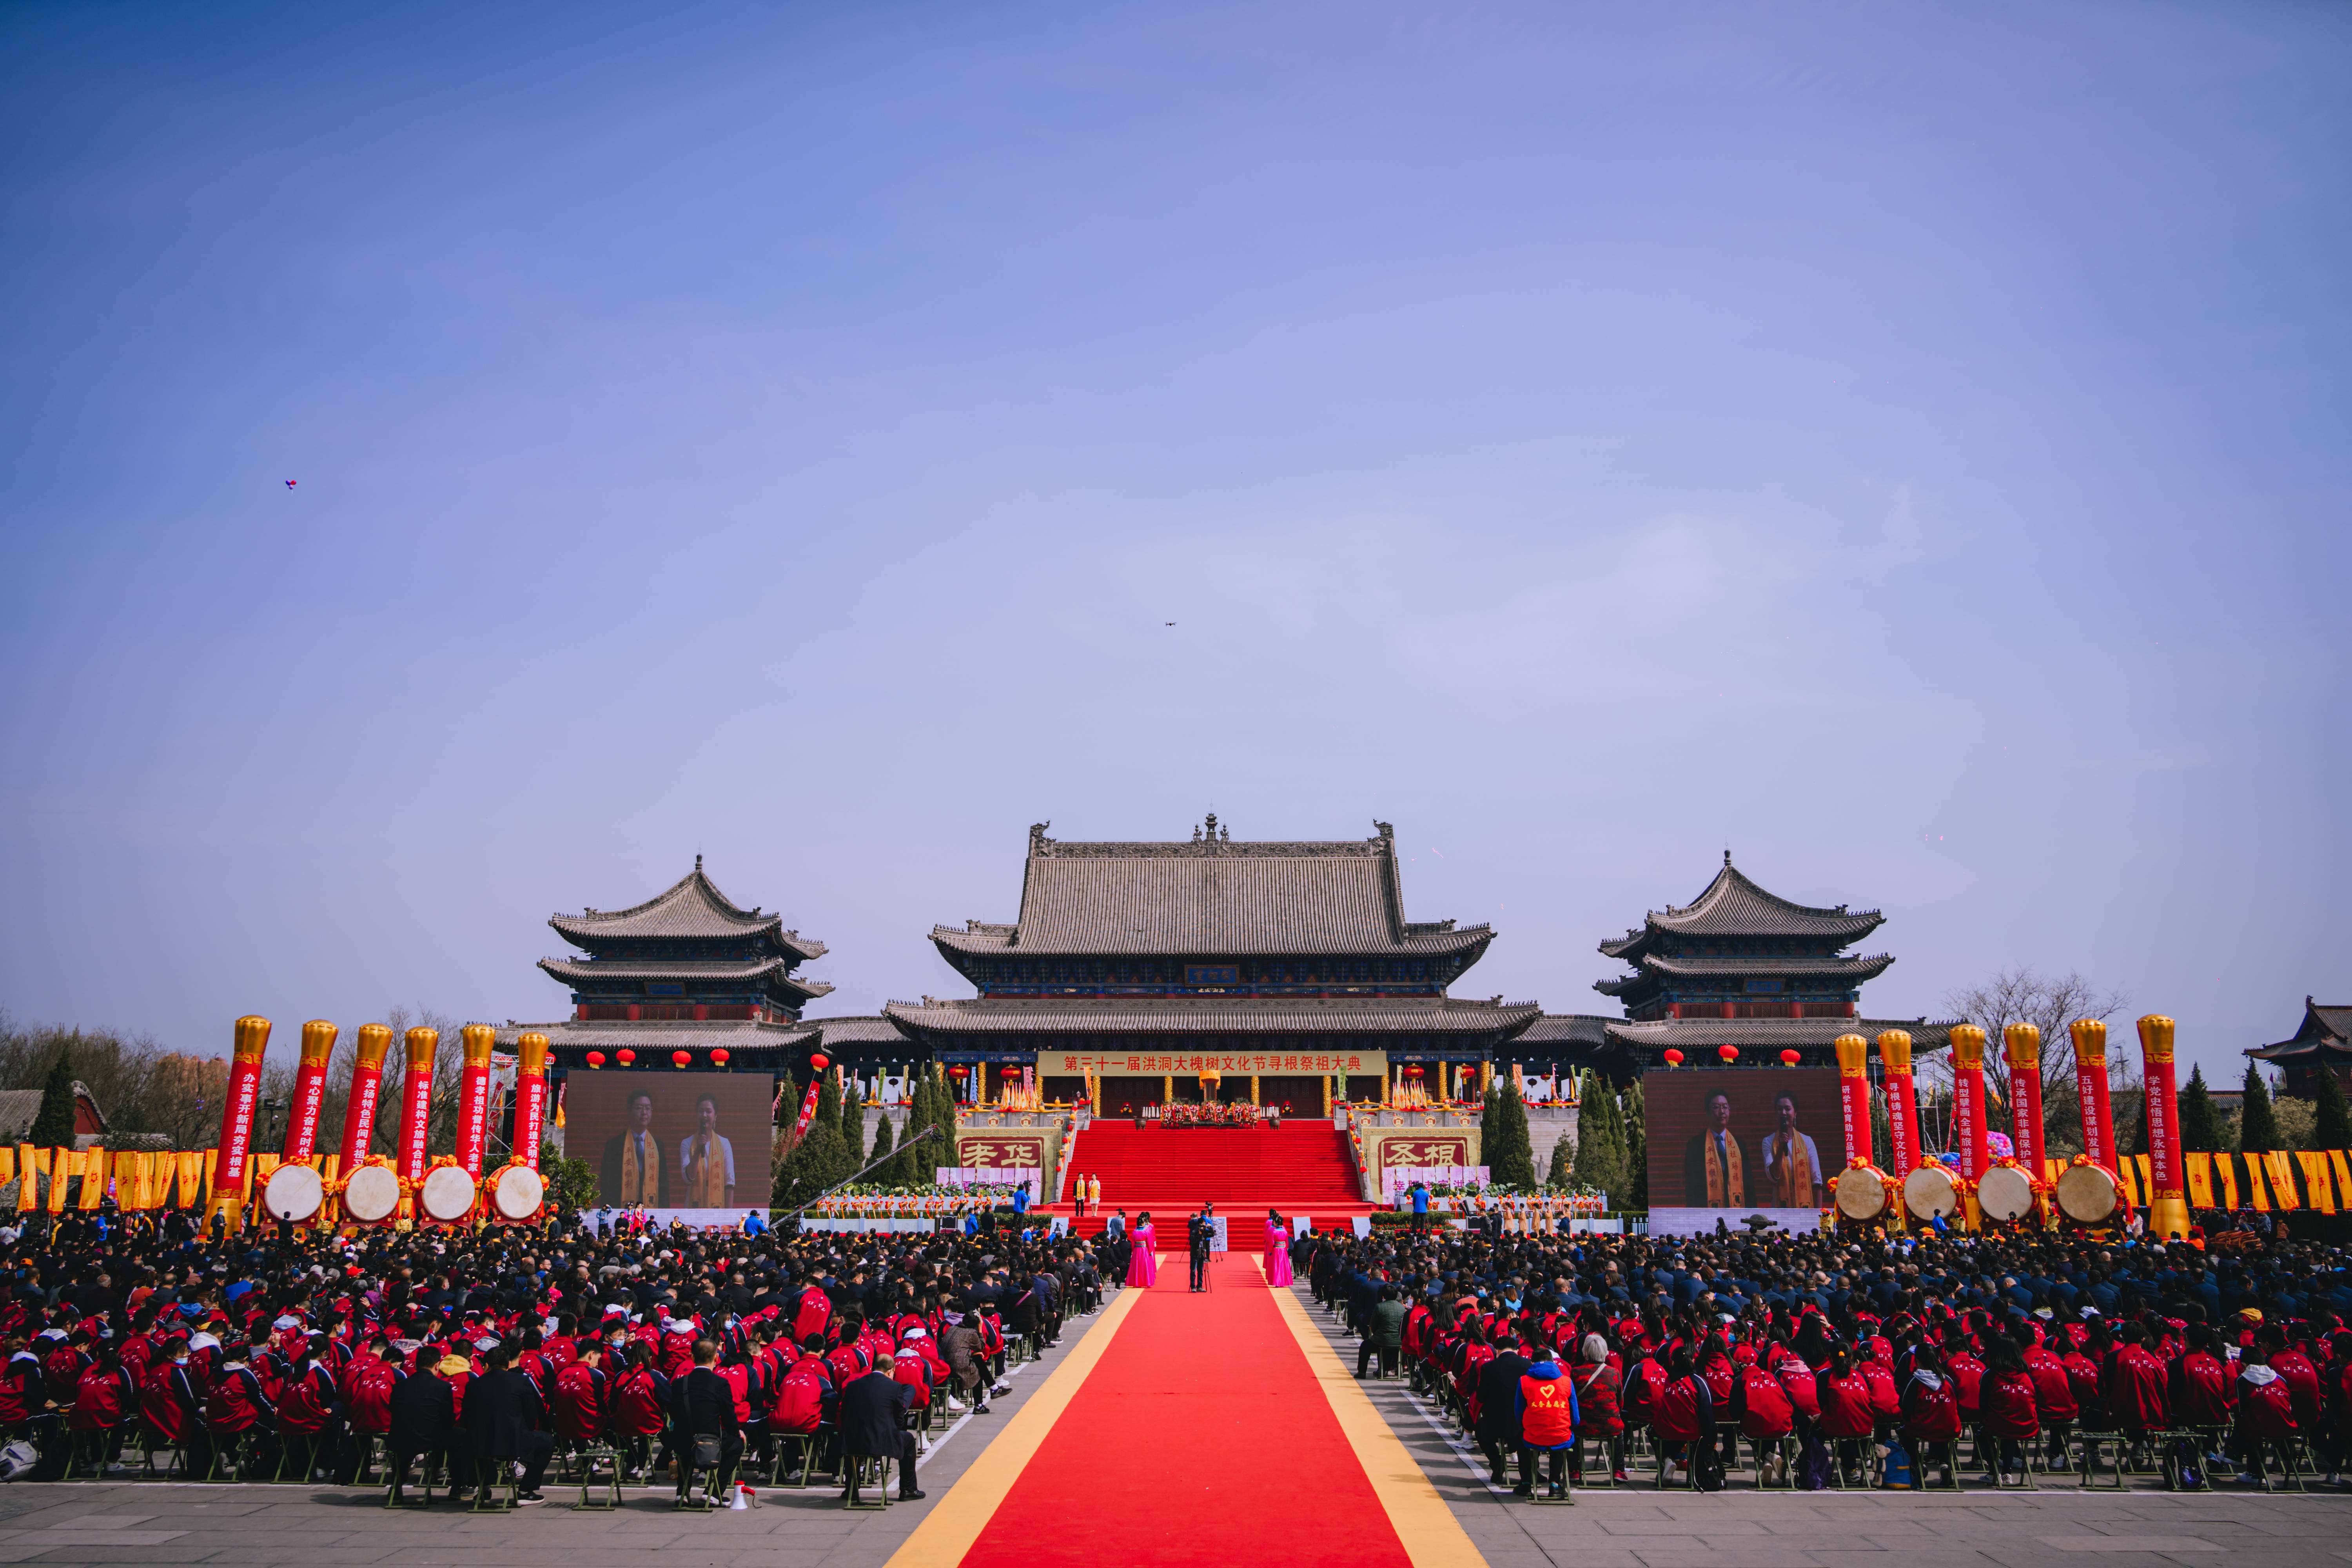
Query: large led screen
(673, 1140)
(1743, 1138)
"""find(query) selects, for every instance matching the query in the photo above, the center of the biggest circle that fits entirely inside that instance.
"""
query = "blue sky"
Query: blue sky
(1906, 443)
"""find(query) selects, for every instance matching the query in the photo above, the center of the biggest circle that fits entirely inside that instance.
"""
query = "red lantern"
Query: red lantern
(819, 1063)
(957, 1072)
(624, 1056)
(1673, 1058)
(719, 1056)
(1791, 1059)
(1728, 1053)
(1412, 1072)
(679, 1058)
(596, 1059)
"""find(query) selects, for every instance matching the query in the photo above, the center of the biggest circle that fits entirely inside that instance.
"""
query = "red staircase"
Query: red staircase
(1299, 1168)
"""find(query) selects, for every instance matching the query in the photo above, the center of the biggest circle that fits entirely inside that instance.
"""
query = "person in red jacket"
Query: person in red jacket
(578, 1401)
(2201, 1392)
(1761, 1408)
(104, 1398)
(2265, 1418)
(1684, 1420)
(2006, 1412)
(1599, 1416)
(2296, 1370)
(2135, 1388)
(367, 1383)
(639, 1408)
(310, 1410)
(2053, 1396)
(1931, 1417)
(1848, 1420)
(171, 1409)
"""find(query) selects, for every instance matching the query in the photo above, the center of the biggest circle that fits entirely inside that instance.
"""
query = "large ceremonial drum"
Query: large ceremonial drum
(447, 1195)
(2006, 1193)
(1930, 1193)
(517, 1192)
(293, 1192)
(2088, 1195)
(1860, 1192)
(371, 1195)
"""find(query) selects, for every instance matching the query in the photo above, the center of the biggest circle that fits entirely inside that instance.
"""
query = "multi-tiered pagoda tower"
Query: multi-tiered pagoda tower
(1741, 966)
(1282, 967)
(686, 970)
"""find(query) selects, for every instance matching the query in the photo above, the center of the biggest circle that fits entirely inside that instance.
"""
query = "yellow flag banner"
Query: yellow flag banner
(2343, 1176)
(62, 1171)
(2279, 1166)
(93, 1178)
(2315, 1180)
(2257, 1190)
(29, 1166)
(2199, 1169)
(191, 1166)
(2050, 1169)
(2146, 1182)
(7, 1163)
(2225, 1171)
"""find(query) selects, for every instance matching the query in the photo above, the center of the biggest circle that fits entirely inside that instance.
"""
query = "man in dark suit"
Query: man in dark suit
(1498, 1415)
(1715, 1171)
(508, 1421)
(634, 1171)
(425, 1423)
(702, 1404)
(873, 1426)
(1198, 1233)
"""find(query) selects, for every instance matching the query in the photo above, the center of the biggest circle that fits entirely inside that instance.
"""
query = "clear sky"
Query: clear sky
(1905, 443)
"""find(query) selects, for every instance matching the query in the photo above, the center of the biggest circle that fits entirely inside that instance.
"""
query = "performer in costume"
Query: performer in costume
(1278, 1249)
(1143, 1266)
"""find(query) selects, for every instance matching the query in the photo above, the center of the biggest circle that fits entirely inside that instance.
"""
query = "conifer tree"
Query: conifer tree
(52, 1124)
(2332, 1126)
(2137, 1143)
(1510, 1157)
(1637, 1149)
(2200, 1124)
(2258, 1131)
(881, 1149)
(1563, 1164)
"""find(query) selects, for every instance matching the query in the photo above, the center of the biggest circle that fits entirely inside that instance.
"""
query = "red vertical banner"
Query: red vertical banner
(232, 1163)
(1968, 1100)
(530, 1096)
(367, 1085)
(2022, 1044)
(2168, 1204)
(473, 1097)
(310, 1091)
(2090, 1087)
(416, 1104)
(808, 1112)
(1901, 1103)
(1853, 1095)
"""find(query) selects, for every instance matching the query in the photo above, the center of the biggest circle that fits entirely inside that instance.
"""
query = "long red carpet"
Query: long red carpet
(1200, 1437)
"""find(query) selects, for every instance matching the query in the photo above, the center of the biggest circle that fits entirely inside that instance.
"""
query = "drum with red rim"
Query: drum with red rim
(2088, 1195)
(1930, 1193)
(447, 1195)
(373, 1194)
(517, 1192)
(2005, 1194)
(1860, 1192)
(293, 1192)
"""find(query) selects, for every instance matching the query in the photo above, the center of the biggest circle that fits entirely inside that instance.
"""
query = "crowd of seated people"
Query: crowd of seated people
(1845, 1360)
(392, 1357)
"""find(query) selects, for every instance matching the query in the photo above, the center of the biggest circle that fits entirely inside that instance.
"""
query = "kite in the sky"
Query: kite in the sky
(289, 484)
(1167, 622)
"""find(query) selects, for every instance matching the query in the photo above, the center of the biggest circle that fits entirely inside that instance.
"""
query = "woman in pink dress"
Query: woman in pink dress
(1278, 1249)
(1143, 1266)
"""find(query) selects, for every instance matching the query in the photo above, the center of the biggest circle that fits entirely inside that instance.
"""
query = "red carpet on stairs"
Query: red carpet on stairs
(1299, 1168)
(1201, 1436)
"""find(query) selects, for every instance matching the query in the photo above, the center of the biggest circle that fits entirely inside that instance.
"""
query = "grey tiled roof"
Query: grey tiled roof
(1842, 970)
(1566, 1028)
(1220, 1016)
(689, 908)
(2324, 1028)
(1734, 906)
(766, 971)
(663, 1035)
(869, 1029)
(19, 1107)
(1773, 1034)
(1214, 897)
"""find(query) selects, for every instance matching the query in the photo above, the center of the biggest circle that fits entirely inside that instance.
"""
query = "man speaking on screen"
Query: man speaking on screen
(632, 1170)
(1712, 1174)
(706, 1161)
(1793, 1166)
